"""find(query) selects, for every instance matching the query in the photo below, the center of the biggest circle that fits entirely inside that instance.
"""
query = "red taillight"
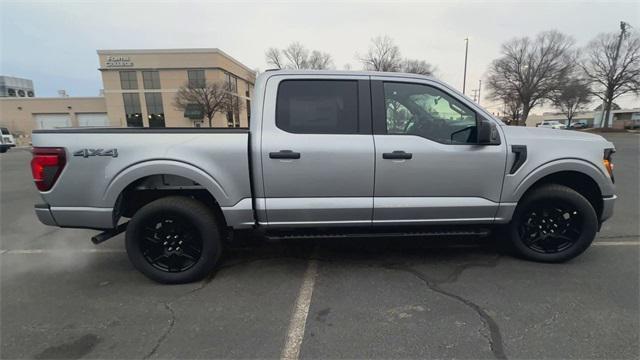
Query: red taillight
(46, 166)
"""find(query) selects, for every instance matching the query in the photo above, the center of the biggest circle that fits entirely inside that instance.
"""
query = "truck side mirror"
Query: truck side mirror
(487, 132)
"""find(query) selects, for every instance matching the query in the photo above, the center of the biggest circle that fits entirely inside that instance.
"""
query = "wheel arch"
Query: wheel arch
(142, 183)
(581, 176)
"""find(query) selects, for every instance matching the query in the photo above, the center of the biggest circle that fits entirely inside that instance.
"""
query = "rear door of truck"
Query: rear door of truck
(317, 150)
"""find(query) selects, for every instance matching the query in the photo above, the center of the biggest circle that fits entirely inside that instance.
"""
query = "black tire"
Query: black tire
(3, 150)
(157, 231)
(553, 223)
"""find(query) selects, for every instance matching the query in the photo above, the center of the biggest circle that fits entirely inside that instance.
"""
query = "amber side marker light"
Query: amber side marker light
(607, 161)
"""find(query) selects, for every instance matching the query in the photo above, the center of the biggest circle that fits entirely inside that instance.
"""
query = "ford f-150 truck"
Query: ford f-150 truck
(328, 153)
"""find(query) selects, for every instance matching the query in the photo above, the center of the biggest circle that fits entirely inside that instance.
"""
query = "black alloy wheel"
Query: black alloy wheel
(550, 228)
(552, 223)
(174, 240)
(171, 244)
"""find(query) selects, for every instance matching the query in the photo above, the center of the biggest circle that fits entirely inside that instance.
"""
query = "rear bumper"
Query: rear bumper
(75, 217)
(607, 207)
(43, 212)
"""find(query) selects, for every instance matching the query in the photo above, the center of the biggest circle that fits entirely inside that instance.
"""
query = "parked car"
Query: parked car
(6, 140)
(578, 125)
(326, 157)
(552, 124)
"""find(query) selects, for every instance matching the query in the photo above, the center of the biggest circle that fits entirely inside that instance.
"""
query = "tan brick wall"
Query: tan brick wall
(18, 114)
(172, 67)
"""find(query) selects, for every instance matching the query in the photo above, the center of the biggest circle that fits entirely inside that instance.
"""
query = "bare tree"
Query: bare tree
(572, 96)
(274, 58)
(319, 60)
(418, 67)
(297, 56)
(383, 55)
(512, 108)
(531, 68)
(612, 65)
(614, 106)
(212, 98)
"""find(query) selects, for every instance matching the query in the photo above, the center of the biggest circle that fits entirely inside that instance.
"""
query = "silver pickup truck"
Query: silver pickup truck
(328, 153)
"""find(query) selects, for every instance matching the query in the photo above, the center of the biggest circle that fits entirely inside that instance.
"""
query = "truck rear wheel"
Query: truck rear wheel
(174, 240)
(553, 223)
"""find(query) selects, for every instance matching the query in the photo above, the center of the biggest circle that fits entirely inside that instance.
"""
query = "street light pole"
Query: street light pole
(464, 77)
(479, 89)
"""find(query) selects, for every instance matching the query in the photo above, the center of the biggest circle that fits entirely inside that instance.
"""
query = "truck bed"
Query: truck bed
(92, 181)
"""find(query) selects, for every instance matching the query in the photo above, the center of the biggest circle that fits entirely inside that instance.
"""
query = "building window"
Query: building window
(236, 111)
(132, 109)
(196, 78)
(233, 114)
(229, 118)
(151, 79)
(154, 109)
(128, 80)
(232, 82)
(248, 107)
(11, 92)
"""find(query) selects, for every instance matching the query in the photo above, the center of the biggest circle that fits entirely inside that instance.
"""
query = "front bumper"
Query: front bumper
(607, 207)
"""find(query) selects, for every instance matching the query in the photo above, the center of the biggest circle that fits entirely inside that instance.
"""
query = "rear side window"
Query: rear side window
(318, 106)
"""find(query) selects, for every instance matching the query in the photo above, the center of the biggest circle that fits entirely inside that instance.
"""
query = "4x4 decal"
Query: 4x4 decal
(96, 152)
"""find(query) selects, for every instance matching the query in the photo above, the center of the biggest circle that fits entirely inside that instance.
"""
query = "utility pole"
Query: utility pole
(475, 94)
(612, 72)
(479, 89)
(466, 52)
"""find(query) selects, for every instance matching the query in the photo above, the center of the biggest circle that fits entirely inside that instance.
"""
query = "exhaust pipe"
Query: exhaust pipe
(108, 234)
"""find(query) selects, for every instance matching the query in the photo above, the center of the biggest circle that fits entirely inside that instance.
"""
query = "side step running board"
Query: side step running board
(332, 235)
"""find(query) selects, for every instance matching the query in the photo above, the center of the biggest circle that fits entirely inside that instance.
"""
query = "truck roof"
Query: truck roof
(344, 72)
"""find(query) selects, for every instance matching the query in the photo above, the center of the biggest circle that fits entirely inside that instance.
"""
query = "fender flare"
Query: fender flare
(560, 165)
(159, 167)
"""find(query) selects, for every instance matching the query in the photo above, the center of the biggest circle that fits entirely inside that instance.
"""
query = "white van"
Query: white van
(6, 140)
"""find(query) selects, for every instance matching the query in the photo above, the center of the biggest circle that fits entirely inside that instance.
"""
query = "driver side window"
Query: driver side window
(415, 109)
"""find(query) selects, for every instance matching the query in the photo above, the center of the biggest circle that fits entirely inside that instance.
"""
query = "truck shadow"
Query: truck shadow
(385, 251)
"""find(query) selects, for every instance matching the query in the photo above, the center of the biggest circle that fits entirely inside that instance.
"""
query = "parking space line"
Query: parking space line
(112, 251)
(295, 333)
(58, 251)
(616, 243)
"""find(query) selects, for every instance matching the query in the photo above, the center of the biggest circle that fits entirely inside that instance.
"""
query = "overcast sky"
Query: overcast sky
(54, 43)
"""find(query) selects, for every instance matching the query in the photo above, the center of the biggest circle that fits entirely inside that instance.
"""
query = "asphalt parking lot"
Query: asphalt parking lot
(62, 297)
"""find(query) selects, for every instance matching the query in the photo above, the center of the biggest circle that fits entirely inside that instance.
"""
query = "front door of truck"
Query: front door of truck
(429, 167)
(317, 151)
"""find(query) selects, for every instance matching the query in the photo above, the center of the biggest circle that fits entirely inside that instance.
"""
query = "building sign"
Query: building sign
(118, 61)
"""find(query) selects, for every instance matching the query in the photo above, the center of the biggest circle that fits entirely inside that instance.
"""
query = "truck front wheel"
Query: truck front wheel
(553, 223)
(174, 240)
